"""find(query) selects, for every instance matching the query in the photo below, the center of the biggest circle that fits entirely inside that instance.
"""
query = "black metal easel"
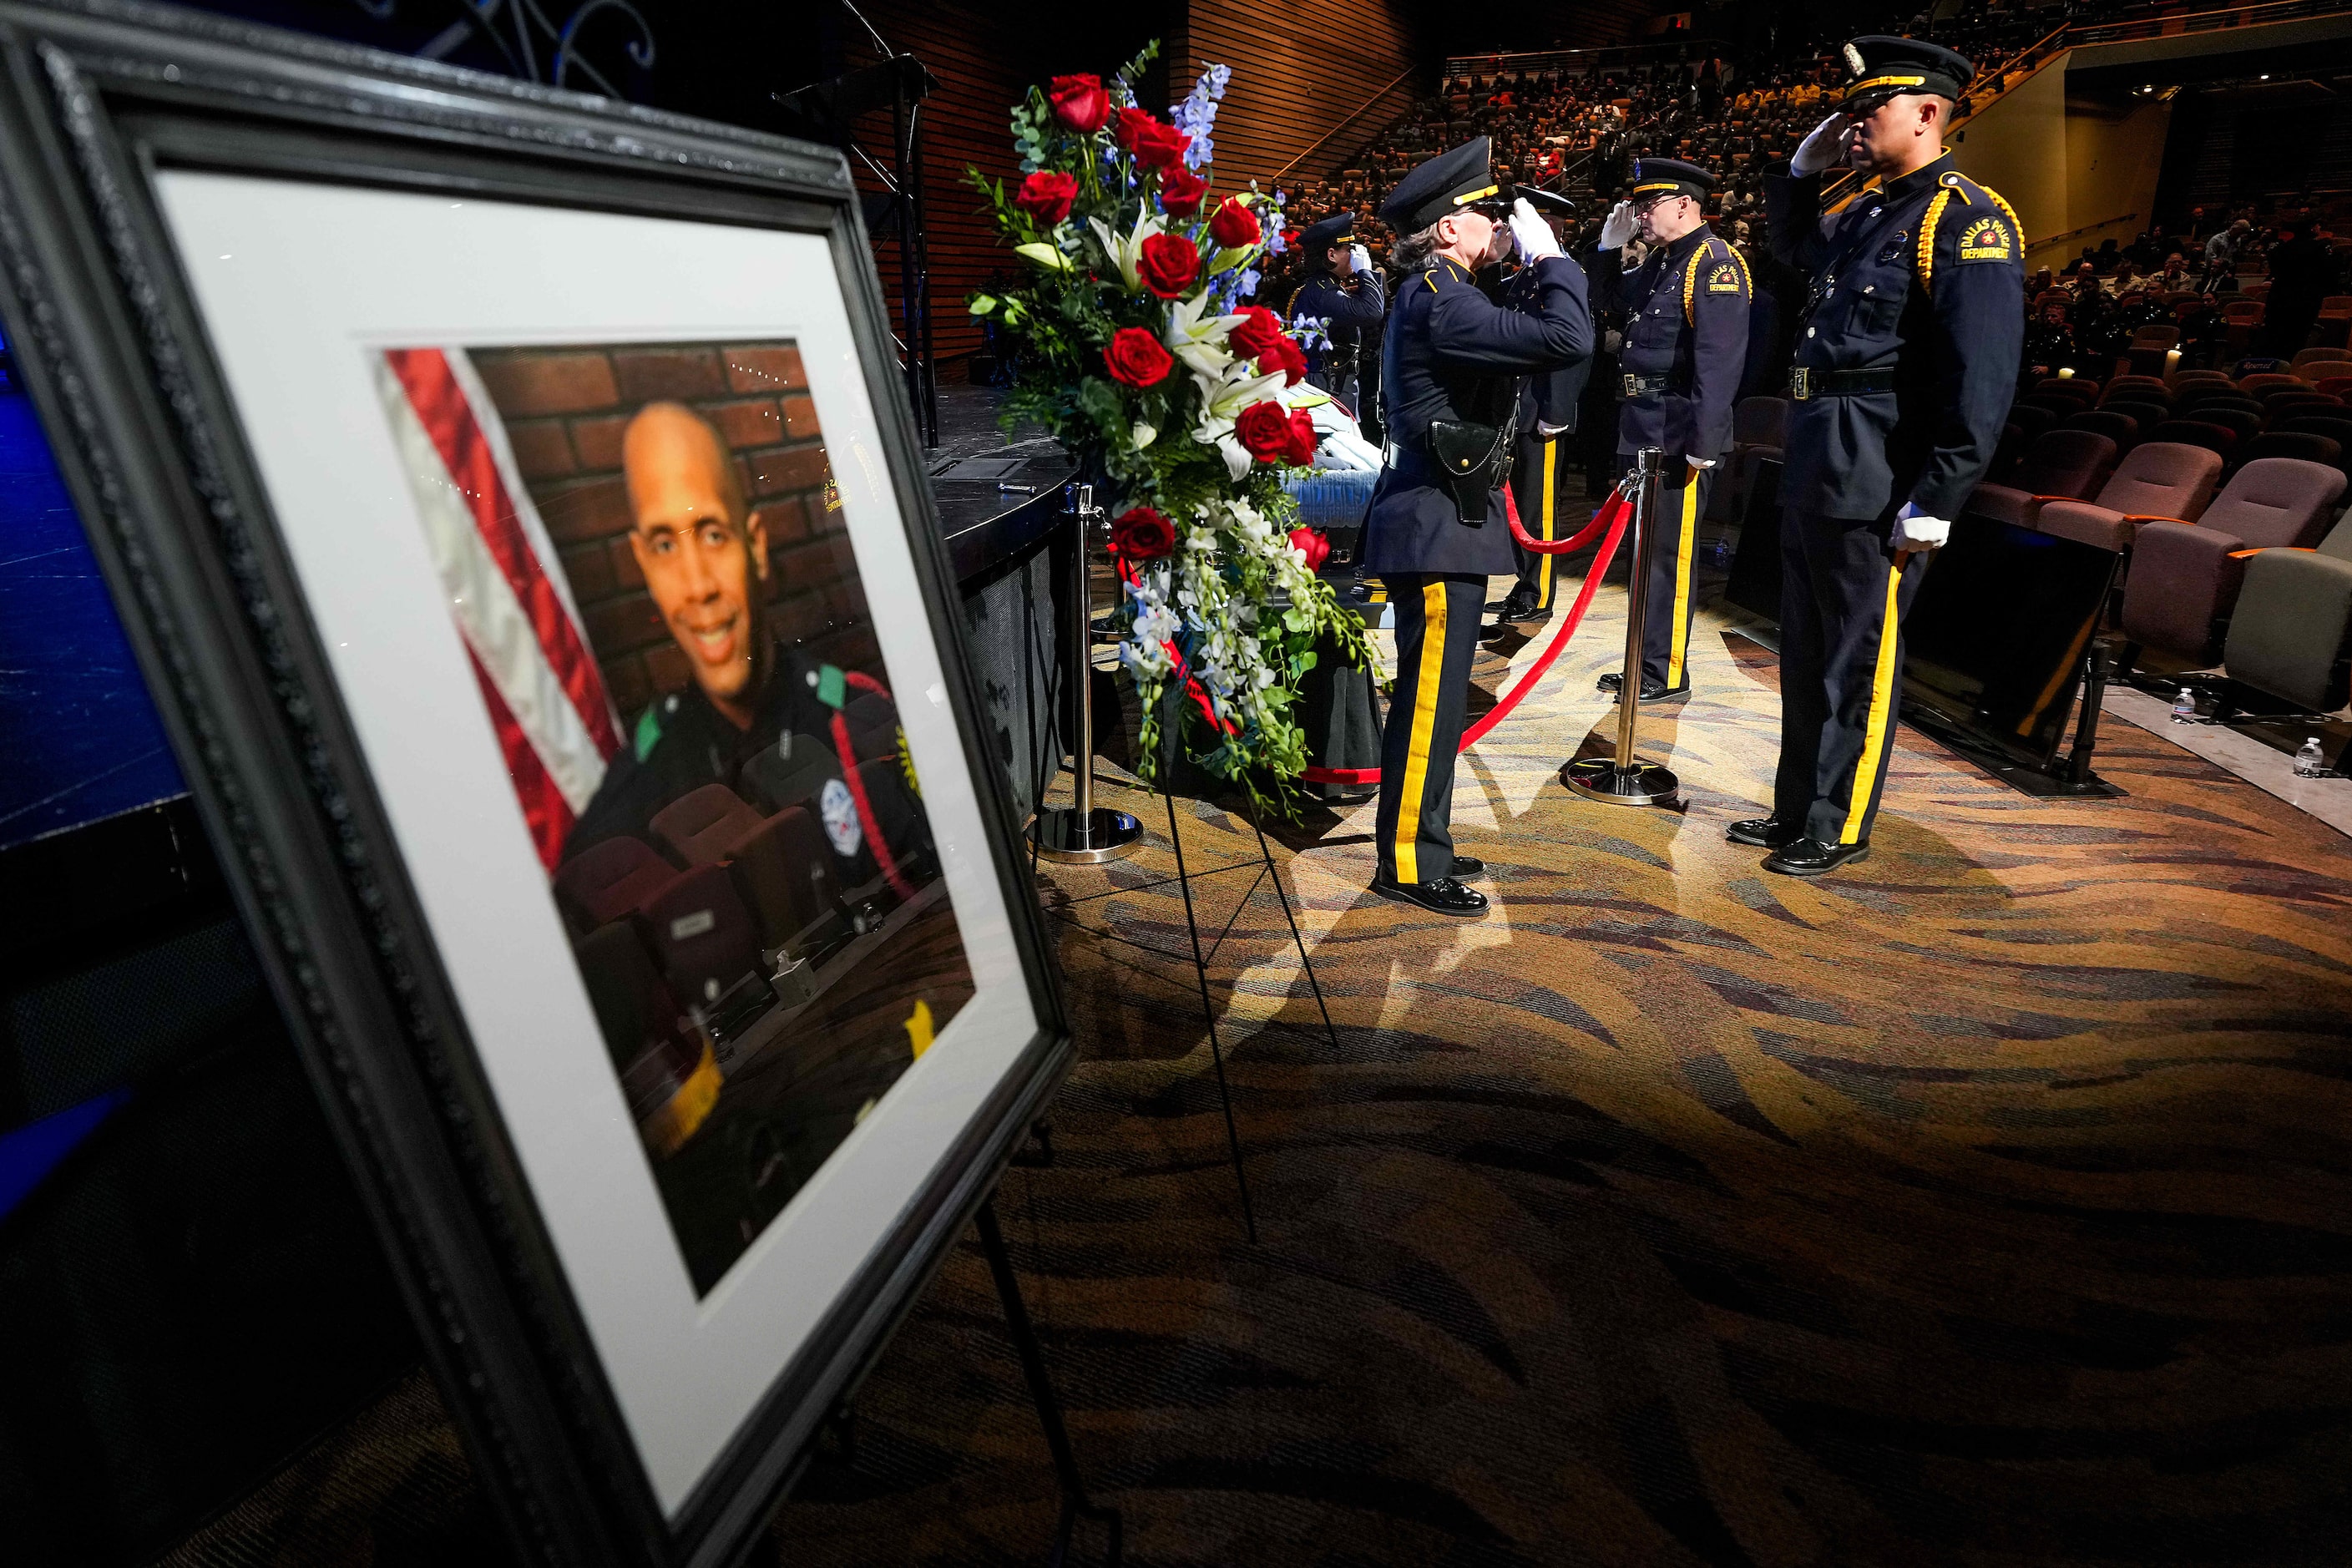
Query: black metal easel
(1049, 750)
(1075, 1504)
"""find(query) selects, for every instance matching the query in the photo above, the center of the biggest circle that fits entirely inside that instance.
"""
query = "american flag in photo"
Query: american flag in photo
(546, 698)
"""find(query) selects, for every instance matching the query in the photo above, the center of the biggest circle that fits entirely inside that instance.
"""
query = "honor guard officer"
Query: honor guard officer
(1450, 363)
(1906, 360)
(1685, 347)
(1542, 458)
(1343, 292)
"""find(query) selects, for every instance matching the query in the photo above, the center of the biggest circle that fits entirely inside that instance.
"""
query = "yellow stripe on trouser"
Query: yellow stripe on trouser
(1543, 570)
(1681, 644)
(1426, 686)
(1882, 712)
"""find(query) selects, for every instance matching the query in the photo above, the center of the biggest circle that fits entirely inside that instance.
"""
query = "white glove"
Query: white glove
(1823, 148)
(1359, 259)
(1698, 463)
(1618, 226)
(1535, 240)
(1915, 530)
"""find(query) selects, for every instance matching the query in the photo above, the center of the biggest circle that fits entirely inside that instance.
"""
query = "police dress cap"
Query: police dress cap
(1878, 63)
(1445, 184)
(1339, 228)
(1670, 177)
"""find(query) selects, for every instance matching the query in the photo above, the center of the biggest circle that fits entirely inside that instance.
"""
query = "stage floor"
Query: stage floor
(1983, 1203)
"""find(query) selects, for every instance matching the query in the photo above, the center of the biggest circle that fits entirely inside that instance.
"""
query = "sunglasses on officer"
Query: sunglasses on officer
(1868, 104)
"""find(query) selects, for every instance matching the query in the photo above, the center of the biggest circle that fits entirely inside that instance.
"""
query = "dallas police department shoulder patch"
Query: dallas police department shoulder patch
(1724, 280)
(1987, 239)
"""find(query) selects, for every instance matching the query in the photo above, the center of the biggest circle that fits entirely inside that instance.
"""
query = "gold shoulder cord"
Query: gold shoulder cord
(1926, 253)
(1690, 275)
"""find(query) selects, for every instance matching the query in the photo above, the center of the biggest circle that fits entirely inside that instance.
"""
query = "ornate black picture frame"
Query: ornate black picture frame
(117, 123)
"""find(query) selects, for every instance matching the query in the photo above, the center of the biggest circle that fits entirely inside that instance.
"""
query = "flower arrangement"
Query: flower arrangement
(1136, 352)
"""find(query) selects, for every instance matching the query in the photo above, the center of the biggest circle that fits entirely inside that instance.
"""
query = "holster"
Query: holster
(1475, 459)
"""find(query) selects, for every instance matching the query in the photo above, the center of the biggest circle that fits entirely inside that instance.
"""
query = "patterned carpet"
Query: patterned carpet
(1987, 1203)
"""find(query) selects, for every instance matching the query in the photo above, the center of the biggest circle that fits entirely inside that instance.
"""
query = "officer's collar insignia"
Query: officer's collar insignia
(1951, 178)
(1853, 61)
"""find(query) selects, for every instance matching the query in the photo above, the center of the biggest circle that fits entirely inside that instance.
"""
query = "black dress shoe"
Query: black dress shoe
(1651, 690)
(1444, 896)
(1810, 856)
(1467, 867)
(1520, 605)
(1764, 832)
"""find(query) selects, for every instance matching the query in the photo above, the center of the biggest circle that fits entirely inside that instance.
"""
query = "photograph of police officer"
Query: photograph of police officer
(751, 890)
(1906, 362)
(1685, 311)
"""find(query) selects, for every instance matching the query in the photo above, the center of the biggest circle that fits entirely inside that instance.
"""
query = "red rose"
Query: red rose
(1154, 145)
(1046, 196)
(1136, 358)
(1303, 440)
(1180, 191)
(1142, 534)
(1079, 102)
(1255, 334)
(1264, 431)
(1314, 545)
(1168, 263)
(1235, 225)
(1285, 356)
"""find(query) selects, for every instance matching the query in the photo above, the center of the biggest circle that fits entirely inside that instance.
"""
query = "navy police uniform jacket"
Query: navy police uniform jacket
(1353, 317)
(1452, 353)
(1685, 325)
(1945, 321)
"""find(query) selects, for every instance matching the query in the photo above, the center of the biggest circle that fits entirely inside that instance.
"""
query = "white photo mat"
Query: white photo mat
(300, 286)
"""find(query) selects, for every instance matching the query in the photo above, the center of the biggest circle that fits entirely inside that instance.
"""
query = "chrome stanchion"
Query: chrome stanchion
(1083, 833)
(1624, 778)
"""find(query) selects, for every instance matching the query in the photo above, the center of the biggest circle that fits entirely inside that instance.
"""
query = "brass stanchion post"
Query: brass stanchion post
(1623, 779)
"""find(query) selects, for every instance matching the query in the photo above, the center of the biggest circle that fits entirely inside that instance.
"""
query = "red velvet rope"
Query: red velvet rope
(882, 856)
(1613, 516)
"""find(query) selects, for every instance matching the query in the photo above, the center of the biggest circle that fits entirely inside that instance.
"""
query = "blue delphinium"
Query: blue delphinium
(1197, 115)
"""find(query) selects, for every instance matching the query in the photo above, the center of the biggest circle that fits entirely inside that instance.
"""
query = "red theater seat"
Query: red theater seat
(2070, 464)
(703, 936)
(2185, 576)
(2159, 479)
(603, 882)
(700, 824)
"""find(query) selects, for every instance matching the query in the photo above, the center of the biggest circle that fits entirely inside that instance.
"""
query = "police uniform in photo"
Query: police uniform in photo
(1905, 362)
(1678, 376)
(1352, 308)
(1452, 359)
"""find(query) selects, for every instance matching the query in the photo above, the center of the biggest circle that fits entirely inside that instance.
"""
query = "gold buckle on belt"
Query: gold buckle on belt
(1633, 386)
(1800, 384)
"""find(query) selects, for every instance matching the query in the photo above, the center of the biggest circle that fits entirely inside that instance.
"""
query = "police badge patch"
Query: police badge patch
(1724, 280)
(1985, 239)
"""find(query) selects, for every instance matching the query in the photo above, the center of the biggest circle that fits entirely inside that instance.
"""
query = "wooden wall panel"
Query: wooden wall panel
(1300, 69)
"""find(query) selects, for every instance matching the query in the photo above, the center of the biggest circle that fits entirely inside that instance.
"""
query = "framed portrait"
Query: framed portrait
(511, 499)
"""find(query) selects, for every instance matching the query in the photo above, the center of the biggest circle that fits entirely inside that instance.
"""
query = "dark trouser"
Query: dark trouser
(1673, 547)
(1539, 468)
(1437, 636)
(1843, 595)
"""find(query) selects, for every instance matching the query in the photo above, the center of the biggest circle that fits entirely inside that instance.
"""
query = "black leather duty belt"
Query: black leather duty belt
(1636, 385)
(1805, 383)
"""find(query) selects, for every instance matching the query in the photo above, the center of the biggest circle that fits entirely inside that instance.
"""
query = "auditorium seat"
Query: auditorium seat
(2291, 629)
(2253, 385)
(787, 875)
(667, 1077)
(2067, 464)
(1759, 429)
(2231, 415)
(2277, 406)
(2334, 385)
(2081, 391)
(2147, 348)
(2149, 415)
(2159, 479)
(603, 882)
(779, 776)
(2197, 433)
(2145, 388)
(704, 938)
(2336, 423)
(2324, 351)
(2185, 576)
(2119, 427)
(2303, 445)
(700, 824)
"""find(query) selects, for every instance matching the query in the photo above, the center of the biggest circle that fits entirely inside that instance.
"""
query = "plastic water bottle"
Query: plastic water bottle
(2308, 764)
(2184, 706)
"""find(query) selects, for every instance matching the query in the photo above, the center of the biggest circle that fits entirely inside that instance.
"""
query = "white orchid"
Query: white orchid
(1130, 252)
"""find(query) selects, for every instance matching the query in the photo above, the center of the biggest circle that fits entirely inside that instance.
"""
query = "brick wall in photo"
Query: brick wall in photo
(564, 409)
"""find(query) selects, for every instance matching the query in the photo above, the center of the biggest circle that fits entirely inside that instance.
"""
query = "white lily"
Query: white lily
(1045, 256)
(1143, 434)
(1127, 252)
(1222, 402)
(1200, 342)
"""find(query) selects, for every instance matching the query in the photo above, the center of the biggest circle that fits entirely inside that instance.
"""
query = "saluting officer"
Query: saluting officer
(1450, 363)
(1343, 292)
(1685, 346)
(1906, 360)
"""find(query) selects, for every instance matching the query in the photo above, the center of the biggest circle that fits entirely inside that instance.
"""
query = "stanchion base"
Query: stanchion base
(1600, 779)
(1062, 835)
